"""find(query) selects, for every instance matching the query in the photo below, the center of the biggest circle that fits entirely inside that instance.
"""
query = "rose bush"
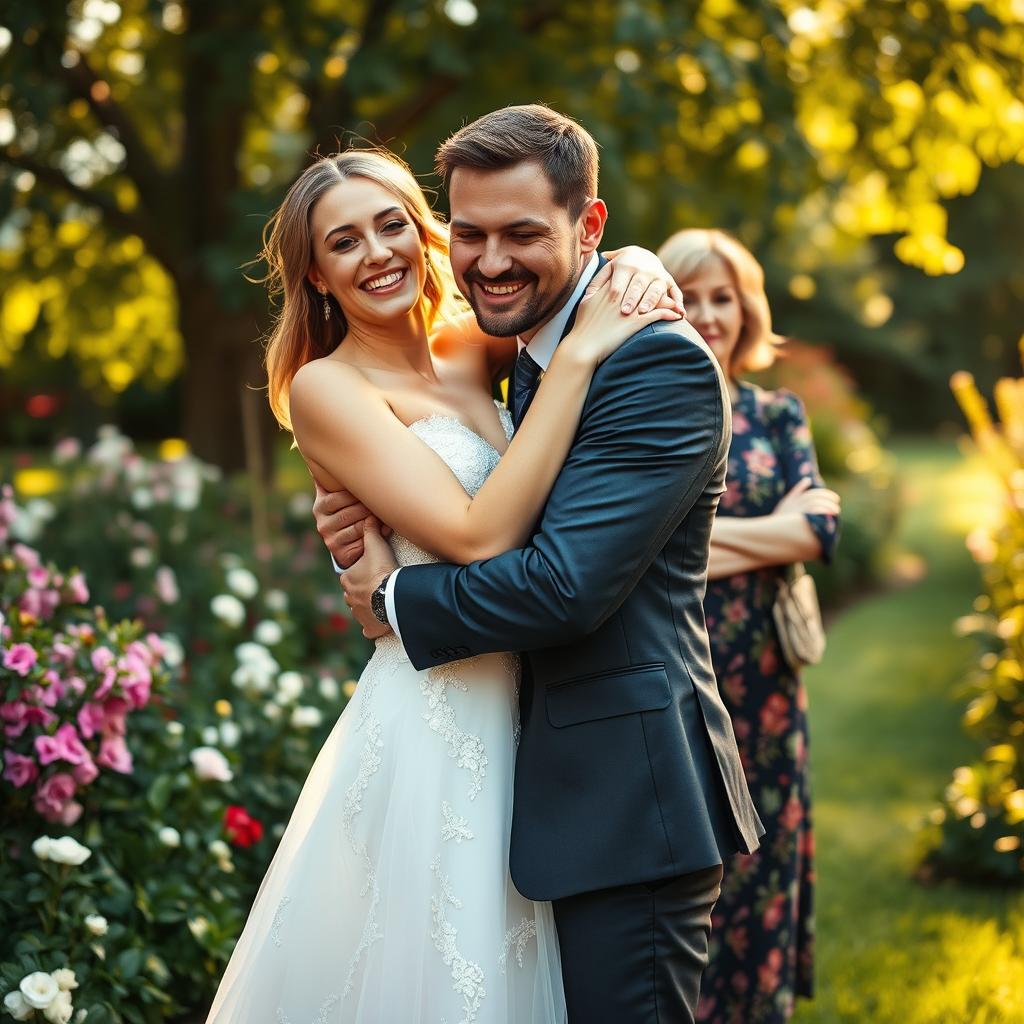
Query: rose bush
(160, 740)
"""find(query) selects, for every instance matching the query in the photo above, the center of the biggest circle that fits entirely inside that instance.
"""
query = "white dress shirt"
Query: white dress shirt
(541, 348)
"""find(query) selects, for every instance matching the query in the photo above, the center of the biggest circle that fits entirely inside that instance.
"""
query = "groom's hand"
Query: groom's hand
(362, 579)
(340, 521)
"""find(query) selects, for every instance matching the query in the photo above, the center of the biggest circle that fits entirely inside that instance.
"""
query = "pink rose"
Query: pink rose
(102, 658)
(19, 770)
(78, 591)
(90, 719)
(38, 577)
(54, 795)
(20, 658)
(115, 711)
(156, 645)
(115, 755)
(26, 556)
(71, 812)
(106, 683)
(35, 715)
(86, 772)
(62, 652)
(64, 745)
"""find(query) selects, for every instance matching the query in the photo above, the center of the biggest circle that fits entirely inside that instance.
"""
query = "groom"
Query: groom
(629, 792)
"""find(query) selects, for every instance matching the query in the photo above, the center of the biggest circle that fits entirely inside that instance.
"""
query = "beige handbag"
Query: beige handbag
(798, 618)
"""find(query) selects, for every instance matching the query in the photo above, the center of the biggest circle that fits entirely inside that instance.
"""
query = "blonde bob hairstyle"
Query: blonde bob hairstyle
(300, 333)
(686, 253)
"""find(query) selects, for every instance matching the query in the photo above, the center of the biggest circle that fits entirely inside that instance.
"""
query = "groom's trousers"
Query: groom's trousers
(635, 954)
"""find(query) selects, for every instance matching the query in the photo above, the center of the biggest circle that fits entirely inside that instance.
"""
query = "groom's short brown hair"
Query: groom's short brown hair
(564, 148)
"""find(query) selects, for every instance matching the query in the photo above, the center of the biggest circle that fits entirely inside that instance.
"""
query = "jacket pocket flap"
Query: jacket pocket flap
(607, 695)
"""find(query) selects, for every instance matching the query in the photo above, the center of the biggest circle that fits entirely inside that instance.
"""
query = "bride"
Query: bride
(389, 899)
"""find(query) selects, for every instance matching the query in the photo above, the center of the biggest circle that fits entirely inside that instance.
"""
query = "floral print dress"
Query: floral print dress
(762, 942)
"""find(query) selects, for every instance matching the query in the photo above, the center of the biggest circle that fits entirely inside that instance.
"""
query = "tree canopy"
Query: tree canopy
(144, 142)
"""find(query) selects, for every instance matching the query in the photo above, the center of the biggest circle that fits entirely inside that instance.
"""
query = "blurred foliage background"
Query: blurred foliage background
(869, 152)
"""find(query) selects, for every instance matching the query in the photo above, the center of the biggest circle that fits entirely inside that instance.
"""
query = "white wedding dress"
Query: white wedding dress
(389, 899)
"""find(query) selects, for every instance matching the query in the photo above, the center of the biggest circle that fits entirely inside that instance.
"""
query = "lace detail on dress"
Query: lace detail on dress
(454, 827)
(468, 750)
(275, 927)
(328, 1004)
(467, 977)
(370, 761)
(519, 936)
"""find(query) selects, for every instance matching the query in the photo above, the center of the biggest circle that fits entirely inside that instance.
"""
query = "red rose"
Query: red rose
(242, 829)
(338, 622)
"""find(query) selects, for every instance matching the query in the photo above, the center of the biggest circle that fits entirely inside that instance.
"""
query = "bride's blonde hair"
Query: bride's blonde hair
(300, 332)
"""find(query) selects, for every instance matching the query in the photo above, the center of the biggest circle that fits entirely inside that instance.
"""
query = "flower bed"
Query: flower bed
(154, 746)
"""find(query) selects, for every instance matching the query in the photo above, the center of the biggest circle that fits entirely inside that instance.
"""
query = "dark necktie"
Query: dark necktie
(524, 384)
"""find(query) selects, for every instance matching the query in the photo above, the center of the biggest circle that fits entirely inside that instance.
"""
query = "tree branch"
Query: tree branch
(122, 220)
(148, 178)
(335, 105)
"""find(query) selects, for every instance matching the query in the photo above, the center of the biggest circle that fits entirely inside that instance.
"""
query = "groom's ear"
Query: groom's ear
(592, 220)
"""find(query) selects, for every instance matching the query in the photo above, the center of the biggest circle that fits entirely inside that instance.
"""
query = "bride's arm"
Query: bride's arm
(345, 426)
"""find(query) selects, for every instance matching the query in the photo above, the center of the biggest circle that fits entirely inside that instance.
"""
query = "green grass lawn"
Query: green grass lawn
(885, 735)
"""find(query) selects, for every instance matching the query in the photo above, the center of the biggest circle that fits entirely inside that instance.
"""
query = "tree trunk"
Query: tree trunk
(223, 354)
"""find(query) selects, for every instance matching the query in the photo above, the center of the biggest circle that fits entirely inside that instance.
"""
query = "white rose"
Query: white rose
(41, 847)
(243, 583)
(198, 926)
(277, 600)
(271, 711)
(39, 989)
(250, 653)
(17, 1007)
(174, 654)
(210, 735)
(306, 717)
(142, 498)
(210, 763)
(175, 729)
(268, 632)
(230, 733)
(251, 677)
(166, 585)
(228, 609)
(65, 978)
(169, 837)
(68, 850)
(96, 923)
(220, 849)
(289, 686)
(141, 558)
(60, 1010)
(328, 688)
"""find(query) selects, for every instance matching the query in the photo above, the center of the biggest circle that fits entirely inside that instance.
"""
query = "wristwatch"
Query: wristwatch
(377, 603)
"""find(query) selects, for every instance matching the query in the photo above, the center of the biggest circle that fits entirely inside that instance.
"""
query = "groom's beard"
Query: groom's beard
(528, 313)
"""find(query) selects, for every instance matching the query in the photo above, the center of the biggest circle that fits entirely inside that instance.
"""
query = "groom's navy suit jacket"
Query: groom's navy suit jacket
(627, 768)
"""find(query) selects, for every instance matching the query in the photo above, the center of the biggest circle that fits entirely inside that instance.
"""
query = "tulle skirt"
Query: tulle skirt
(389, 899)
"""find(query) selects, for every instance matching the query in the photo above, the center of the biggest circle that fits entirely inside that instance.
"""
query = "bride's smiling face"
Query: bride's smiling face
(367, 252)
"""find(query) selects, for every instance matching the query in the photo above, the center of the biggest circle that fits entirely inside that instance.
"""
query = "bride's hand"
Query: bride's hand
(601, 327)
(640, 278)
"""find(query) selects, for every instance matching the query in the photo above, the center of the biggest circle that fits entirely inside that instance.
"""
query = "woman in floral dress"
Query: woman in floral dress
(775, 511)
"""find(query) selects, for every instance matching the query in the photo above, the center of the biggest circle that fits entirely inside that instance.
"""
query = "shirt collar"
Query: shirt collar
(545, 341)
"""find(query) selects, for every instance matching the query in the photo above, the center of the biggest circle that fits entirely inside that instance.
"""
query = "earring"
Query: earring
(327, 306)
